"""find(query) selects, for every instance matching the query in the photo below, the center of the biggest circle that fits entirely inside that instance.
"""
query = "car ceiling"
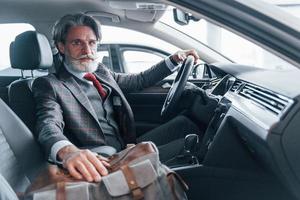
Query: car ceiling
(48, 11)
(121, 13)
(43, 14)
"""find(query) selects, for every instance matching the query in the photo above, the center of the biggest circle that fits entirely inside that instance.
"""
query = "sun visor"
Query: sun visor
(104, 16)
(142, 11)
(132, 5)
(141, 15)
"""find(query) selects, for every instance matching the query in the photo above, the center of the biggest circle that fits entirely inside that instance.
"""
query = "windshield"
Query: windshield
(290, 6)
(227, 43)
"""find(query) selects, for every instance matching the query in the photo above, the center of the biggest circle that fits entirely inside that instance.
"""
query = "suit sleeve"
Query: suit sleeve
(134, 82)
(50, 123)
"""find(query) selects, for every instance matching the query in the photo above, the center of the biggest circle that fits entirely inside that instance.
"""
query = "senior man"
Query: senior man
(82, 105)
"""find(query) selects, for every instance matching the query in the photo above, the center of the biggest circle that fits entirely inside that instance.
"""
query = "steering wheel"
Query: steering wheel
(177, 86)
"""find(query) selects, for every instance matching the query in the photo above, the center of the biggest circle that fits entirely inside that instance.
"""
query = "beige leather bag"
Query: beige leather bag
(135, 173)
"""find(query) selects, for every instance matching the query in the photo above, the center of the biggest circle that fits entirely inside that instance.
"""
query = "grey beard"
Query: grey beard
(78, 66)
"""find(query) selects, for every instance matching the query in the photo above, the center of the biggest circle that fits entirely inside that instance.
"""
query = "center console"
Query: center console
(225, 167)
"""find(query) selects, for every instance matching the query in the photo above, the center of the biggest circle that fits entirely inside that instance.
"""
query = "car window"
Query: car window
(136, 60)
(229, 44)
(111, 35)
(149, 50)
(8, 34)
(138, 51)
(292, 6)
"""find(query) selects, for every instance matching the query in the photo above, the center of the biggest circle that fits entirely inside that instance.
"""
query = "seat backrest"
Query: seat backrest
(21, 157)
(29, 51)
(106, 61)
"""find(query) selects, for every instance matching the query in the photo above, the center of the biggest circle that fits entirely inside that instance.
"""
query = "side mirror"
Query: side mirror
(182, 18)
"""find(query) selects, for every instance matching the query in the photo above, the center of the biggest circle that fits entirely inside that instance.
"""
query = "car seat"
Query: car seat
(30, 51)
(21, 157)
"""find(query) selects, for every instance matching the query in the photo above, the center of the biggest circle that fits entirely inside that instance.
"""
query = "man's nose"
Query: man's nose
(86, 49)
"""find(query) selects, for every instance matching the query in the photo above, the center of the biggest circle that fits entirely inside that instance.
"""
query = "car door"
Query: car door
(147, 103)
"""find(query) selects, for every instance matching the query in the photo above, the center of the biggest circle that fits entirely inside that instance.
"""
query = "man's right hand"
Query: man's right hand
(83, 164)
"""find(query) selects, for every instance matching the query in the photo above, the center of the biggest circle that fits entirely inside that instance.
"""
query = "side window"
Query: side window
(127, 52)
(8, 34)
(138, 60)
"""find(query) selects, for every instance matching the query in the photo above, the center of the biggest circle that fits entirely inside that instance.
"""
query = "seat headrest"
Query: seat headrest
(30, 50)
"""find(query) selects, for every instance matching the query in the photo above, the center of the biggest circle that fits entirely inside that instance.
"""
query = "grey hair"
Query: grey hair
(62, 26)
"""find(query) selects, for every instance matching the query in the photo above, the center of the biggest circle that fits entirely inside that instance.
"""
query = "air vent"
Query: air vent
(269, 100)
(235, 86)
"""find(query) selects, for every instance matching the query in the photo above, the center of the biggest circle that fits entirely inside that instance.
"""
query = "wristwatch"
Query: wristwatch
(173, 61)
(58, 163)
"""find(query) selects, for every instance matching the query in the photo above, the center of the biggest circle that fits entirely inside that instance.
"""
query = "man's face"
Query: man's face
(80, 49)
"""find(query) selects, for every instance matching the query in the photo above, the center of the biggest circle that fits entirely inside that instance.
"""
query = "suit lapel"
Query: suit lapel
(70, 83)
(104, 76)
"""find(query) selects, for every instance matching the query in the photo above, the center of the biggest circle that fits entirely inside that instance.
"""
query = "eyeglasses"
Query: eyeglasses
(80, 44)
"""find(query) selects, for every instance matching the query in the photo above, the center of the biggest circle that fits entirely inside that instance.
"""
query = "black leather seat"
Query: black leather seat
(29, 51)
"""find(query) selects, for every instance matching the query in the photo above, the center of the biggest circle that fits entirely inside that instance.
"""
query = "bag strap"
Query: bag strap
(172, 177)
(136, 191)
(130, 154)
(61, 190)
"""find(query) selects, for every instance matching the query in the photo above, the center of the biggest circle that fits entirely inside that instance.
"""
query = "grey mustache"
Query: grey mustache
(91, 56)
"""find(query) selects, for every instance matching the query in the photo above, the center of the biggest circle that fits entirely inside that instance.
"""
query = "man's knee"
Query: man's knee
(184, 121)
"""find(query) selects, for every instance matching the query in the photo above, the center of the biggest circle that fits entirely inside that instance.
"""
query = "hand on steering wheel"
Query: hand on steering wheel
(177, 86)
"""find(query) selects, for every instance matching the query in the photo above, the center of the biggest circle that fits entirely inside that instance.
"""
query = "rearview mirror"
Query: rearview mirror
(180, 17)
(183, 18)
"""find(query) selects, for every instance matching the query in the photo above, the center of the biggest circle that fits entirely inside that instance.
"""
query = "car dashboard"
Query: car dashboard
(257, 130)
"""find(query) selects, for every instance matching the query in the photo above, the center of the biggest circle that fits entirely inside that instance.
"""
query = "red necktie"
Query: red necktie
(96, 83)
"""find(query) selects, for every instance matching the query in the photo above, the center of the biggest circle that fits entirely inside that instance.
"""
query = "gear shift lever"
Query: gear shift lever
(190, 143)
(188, 157)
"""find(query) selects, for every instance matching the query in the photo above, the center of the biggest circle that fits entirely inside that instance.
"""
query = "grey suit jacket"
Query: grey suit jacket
(65, 113)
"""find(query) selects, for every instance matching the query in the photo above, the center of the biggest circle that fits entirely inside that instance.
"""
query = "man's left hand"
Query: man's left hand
(180, 56)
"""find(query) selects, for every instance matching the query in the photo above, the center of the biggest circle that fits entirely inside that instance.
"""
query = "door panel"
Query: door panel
(146, 106)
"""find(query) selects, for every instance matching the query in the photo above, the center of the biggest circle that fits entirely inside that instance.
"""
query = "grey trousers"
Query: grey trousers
(169, 137)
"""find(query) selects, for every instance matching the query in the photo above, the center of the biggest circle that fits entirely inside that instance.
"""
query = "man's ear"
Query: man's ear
(61, 47)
